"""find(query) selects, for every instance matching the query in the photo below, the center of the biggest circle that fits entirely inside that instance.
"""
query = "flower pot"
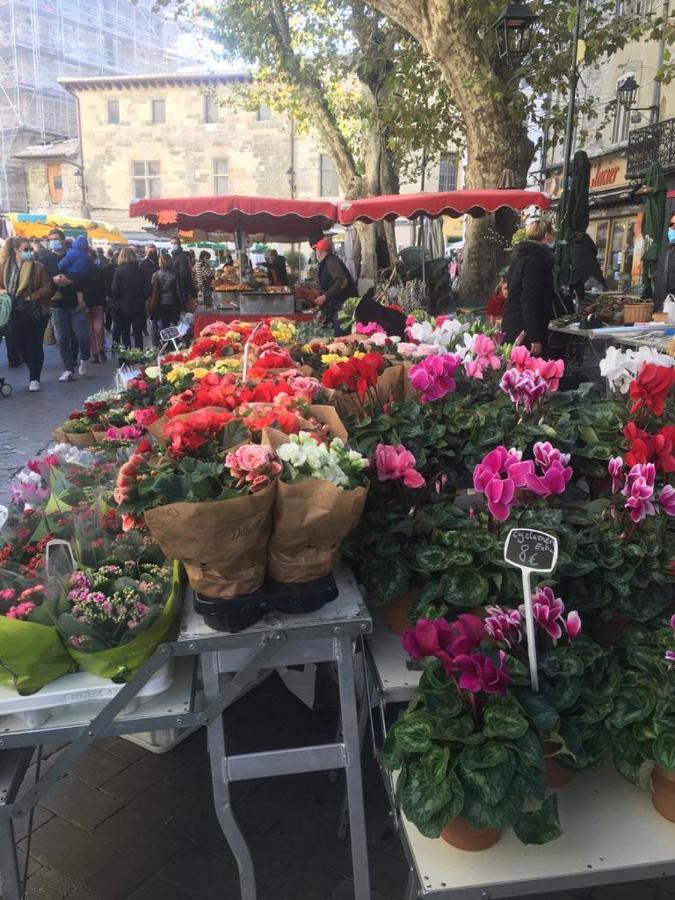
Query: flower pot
(554, 774)
(463, 836)
(397, 614)
(663, 793)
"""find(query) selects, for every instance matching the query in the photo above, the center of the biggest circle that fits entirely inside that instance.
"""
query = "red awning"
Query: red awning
(442, 203)
(277, 218)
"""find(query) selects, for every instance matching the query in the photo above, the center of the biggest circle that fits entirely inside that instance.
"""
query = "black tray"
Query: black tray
(244, 611)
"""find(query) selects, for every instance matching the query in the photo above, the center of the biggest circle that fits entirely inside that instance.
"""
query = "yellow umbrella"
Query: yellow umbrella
(38, 225)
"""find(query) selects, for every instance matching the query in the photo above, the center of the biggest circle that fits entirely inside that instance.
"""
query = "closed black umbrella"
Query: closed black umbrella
(581, 261)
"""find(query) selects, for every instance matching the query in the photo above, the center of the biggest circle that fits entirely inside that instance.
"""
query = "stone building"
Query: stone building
(53, 178)
(631, 139)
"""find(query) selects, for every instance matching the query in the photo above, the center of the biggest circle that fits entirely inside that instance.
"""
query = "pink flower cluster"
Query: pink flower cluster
(639, 488)
(458, 647)
(530, 378)
(434, 376)
(21, 610)
(304, 386)
(551, 370)
(125, 433)
(670, 654)
(498, 476)
(370, 328)
(27, 601)
(555, 470)
(482, 357)
(252, 465)
(397, 464)
(549, 614)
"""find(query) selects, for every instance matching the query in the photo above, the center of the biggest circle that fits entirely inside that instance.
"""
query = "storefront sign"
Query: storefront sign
(605, 177)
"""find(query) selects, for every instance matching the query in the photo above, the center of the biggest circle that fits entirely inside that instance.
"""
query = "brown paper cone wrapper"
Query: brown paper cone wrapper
(409, 392)
(390, 384)
(76, 440)
(99, 436)
(157, 428)
(311, 520)
(222, 543)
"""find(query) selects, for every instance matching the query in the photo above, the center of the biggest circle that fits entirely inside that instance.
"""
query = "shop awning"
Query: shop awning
(441, 203)
(261, 218)
(38, 225)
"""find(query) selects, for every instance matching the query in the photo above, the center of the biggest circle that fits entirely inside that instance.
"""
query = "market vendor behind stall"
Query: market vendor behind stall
(276, 269)
(336, 282)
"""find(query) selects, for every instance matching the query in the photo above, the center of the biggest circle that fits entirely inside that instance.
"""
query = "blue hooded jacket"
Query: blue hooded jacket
(77, 261)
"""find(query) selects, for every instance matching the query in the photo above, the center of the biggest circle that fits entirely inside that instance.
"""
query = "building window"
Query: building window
(621, 116)
(158, 112)
(113, 112)
(264, 113)
(634, 8)
(210, 109)
(145, 179)
(329, 184)
(55, 182)
(447, 172)
(220, 179)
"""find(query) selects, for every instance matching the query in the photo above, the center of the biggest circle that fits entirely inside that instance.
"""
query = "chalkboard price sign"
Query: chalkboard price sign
(535, 551)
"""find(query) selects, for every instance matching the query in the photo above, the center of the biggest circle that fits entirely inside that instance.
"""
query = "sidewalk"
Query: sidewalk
(126, 824)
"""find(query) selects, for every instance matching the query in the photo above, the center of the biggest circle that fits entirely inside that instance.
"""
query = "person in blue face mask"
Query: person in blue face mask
(666, 272)
(30, 289)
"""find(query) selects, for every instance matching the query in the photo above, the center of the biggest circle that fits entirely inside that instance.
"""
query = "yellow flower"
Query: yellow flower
(201, 372)
(329, 358)
(176, 373)
(358, 354)
(228, 363)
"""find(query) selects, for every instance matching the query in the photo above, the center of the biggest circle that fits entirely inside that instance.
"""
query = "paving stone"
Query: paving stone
(74, 853)
(81, 893)
(665, 885)
(345, 891)
(159, 889)
(80, 803)
(48, 884)
(134, 865)
(135, 779)
(202, 875)
(40, 817)
(124, 749)
(96, 766)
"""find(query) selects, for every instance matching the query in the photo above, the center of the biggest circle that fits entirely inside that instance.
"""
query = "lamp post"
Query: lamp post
(513, 30)
(628, 94)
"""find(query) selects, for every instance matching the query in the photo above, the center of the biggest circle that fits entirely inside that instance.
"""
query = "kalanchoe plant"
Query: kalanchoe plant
(463, 746)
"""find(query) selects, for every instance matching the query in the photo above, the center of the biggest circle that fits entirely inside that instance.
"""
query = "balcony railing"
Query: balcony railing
(654, 143)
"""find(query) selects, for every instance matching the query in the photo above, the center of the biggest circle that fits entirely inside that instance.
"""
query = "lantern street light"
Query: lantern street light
(628, 90)
(513, 30)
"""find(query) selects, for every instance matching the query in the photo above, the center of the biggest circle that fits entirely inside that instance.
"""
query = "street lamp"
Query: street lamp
(513, 30)
(628, 90)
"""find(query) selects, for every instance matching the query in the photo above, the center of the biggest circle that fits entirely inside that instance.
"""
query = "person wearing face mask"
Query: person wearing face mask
(666, 270)
(30, 289)
(183, 270)
(531, 291)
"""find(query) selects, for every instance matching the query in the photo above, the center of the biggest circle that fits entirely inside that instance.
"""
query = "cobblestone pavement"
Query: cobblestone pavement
(126, 824)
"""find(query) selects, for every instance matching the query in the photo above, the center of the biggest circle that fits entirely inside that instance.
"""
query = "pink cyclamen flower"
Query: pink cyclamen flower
(498, 476)
(639, 488)
(480, 673)
(545, 454)
(644, 471)
(433, 378)
(524, 388)
(573, 624)
(484, 357)
(551, 370)
(395, 463)
(521, 358)
(615, 469)
(504, 625)
(547, 611)
(553, 481)
(370, 328)
(667, 501)
(429, 638)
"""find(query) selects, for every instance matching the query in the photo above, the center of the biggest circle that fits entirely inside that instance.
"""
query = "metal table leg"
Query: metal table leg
(9, 863)
(350, 731)
(220, 781)
(363, 701)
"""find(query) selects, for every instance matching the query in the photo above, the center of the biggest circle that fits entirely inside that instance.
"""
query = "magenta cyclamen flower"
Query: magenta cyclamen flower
(504, 625)
(615, 469)
(498, 476)
(434, 376)
(480, 673)
(524, 388)
(545, 455)
(444, 640)
(667, 501)
(397, 464)
(553, 481)
(639, 488)
(548, 612)
(484, 357)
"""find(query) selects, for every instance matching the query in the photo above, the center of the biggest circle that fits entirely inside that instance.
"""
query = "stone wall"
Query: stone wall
(37, 188)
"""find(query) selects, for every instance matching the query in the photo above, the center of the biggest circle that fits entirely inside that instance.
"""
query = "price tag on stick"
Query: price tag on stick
(531, 551)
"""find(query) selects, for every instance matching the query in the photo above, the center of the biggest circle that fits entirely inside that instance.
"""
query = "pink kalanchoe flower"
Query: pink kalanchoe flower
(433, 378)
(553, 481)
(504, 625)
(397, 464)
(667, 501)
(573, 624)
(545, 454)
(615, 469)
(498, 476)
(547, 611)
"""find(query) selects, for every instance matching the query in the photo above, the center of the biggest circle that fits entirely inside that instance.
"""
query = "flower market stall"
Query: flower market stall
(520, 538)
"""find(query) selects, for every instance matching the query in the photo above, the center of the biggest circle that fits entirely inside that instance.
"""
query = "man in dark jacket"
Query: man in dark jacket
(666, 271)
(182, 268)
(150, 264)
(336, 282)
(529, 307)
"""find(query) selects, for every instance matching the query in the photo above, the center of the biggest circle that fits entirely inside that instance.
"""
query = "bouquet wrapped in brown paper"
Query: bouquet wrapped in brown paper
(320, 499)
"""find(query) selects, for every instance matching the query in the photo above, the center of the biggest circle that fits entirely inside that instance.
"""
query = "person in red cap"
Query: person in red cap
(336, 282)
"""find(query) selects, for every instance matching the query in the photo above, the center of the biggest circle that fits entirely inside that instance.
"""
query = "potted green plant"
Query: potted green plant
(470, 762)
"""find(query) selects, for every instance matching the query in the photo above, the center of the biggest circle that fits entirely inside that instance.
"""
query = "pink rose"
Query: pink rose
(248, 457)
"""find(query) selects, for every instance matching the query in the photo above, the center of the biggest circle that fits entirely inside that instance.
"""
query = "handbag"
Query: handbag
(49, 338)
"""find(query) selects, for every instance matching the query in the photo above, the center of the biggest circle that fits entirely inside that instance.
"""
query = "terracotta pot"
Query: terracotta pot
(555, 776)
(663, 792)
(396, 614)
(461, 835)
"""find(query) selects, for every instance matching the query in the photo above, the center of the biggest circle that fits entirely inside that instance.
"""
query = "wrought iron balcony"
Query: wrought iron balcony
(654, 143)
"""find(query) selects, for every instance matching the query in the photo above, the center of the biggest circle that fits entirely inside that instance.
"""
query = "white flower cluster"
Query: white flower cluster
(303, 458)
(621, 367)
(74, 456)
(444, 336)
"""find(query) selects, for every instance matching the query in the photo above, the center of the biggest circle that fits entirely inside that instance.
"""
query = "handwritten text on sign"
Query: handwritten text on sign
(533, 550)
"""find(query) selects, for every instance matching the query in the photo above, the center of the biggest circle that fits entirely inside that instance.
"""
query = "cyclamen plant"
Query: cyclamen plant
(302, 457)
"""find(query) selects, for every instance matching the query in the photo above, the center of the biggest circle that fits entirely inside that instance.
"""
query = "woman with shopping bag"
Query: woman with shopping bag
(30, 290)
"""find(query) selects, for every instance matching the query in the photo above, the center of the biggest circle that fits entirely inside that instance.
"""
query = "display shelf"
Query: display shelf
(66, 721)
(612, 834)
(396, 683)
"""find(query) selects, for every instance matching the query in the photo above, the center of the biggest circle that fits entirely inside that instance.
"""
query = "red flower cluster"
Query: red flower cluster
(196, 429)
(652, 387)
(656, 448)
(214, 346)
(275, 358)
(283, 416)
(355, 374)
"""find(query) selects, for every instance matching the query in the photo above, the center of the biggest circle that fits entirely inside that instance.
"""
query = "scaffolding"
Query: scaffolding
(44, 40)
